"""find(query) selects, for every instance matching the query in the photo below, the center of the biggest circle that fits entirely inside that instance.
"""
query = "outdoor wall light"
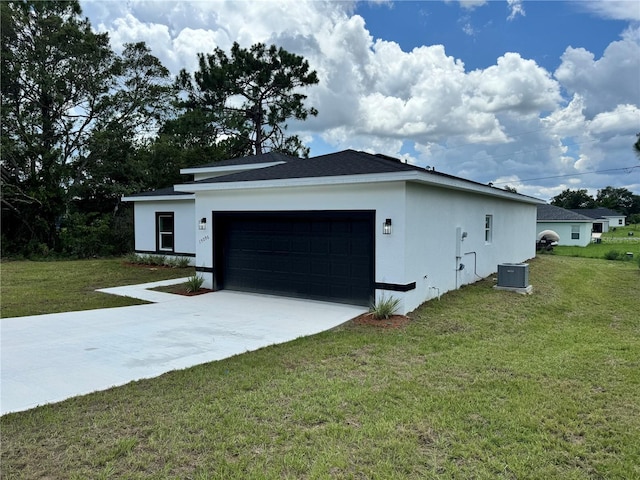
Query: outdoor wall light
(203, 224)
(386, 227)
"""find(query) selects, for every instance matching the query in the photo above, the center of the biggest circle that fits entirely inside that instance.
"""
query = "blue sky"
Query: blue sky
(480, 35)
(541, 96)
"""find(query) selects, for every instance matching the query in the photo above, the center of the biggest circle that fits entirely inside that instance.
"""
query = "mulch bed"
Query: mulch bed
(193, 294)
(394, 321)
(178, 289)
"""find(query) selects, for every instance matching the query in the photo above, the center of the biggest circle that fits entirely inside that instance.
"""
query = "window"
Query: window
(620, 221)
(488, 227)
(575, 232)
(164, 231)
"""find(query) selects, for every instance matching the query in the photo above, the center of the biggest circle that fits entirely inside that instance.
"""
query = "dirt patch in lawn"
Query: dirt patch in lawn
(394, 321)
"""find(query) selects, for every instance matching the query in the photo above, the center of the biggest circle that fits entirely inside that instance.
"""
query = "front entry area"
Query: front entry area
(325, 255)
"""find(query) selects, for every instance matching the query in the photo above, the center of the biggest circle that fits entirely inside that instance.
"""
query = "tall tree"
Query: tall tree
(619, 199)
(573, 199)
(251, 94)
(56, 73)
(73, 113)
(141, 101)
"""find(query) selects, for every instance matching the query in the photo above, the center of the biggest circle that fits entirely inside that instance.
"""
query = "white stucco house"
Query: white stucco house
(346, 227)
(574, 229)
(603, 218)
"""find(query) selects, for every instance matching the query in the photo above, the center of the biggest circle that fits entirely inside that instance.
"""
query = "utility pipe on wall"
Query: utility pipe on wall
(475, 263)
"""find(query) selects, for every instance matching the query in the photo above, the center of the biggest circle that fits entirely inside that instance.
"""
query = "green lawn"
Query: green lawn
(32, 288)
(617, 240)
(482, 384)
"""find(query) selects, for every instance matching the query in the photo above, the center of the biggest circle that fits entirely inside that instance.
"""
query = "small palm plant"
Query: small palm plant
(385, 307)
(193, 283)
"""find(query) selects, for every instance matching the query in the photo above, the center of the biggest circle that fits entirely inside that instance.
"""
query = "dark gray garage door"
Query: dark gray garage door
(316, 255)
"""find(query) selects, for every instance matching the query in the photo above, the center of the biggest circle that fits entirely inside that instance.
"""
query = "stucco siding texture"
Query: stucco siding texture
(439, 258)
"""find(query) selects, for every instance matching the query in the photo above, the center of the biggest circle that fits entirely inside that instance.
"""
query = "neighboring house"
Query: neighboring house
(573, 228)
(347, 227)
(603, 218)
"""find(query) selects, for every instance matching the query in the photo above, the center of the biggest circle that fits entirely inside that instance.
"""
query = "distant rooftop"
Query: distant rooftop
(597, 212)
(551, 213)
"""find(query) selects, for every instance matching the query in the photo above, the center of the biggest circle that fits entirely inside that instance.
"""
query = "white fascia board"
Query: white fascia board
(408, 176)
(158, 198)
(227, 169)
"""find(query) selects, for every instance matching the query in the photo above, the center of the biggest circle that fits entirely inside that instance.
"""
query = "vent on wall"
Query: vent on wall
(513, 275)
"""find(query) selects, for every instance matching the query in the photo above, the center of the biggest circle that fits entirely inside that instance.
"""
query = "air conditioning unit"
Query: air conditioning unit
(513, 275)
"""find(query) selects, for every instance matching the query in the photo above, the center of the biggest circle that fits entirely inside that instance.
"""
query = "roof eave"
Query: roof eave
(157, 198)
(564, 220)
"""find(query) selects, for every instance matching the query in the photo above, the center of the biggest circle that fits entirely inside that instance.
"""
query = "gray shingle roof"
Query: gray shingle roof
(346, 162)
(551, 213)
(597, 212)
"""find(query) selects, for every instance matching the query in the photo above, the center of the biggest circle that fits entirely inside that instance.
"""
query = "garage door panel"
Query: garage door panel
(340, 246)
(325, 256)
(319, 246)
(300, 245)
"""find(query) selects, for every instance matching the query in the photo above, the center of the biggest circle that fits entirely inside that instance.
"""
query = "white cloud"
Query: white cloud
(614, 9)
(516, 8)
(512, 121)
(606, 82)
(625, 119)
(471, 4)
(514, 84)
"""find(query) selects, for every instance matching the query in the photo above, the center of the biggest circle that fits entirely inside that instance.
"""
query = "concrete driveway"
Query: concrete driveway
(48, 358)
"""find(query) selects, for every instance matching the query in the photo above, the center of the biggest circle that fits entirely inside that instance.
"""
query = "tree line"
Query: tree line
(83, 125)
(619, 199)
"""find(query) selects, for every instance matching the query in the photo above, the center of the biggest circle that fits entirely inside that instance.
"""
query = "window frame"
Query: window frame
(160, 234)
(575, 232)
(488, 229)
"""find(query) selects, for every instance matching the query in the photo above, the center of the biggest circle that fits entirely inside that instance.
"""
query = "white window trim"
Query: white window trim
(162, 233)
(488, 229)
(575, 230)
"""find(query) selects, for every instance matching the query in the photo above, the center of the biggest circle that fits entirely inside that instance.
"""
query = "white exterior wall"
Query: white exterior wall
(435, 248)
(184, 224)
(563, 229)
(615, 222)
(386, 199)
(423, 239)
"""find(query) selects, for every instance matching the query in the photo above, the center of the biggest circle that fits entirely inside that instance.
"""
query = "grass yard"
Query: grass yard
(32, 288)
(482, 384)
(617, 240)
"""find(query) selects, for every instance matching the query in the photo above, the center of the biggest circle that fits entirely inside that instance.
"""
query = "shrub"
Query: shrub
(385, 307)
(158, 260)
(85, 235)
(178, 262)
(612, 255)
(183, 262)
(133, 258)
(194, 283)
